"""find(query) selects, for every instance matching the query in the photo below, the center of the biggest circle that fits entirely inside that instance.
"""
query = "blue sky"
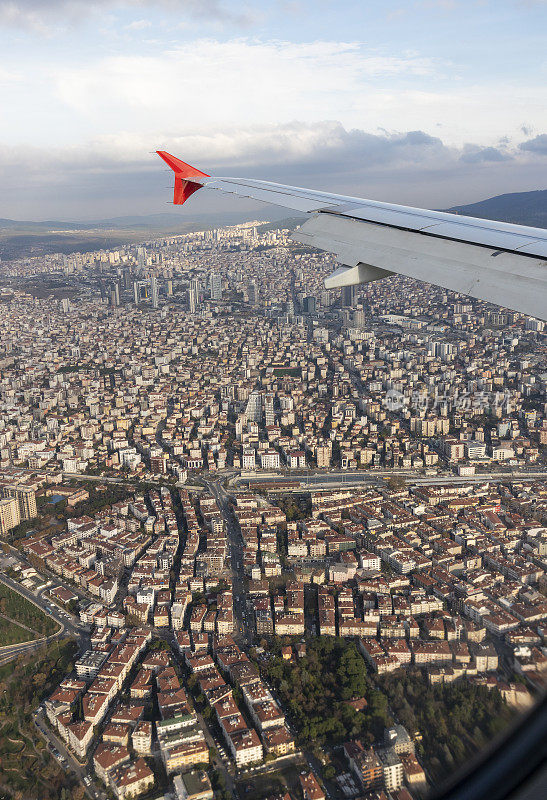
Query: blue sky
(427, 102)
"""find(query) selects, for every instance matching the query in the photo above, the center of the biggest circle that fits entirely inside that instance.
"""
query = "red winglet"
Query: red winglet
(184, 186)
(181, 167)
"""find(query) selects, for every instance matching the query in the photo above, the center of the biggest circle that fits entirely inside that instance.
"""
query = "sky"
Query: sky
(425, 102)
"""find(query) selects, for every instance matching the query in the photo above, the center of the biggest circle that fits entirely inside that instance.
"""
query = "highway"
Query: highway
(340, 479)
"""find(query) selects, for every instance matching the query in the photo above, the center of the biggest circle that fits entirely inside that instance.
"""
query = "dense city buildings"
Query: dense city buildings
(231, 481)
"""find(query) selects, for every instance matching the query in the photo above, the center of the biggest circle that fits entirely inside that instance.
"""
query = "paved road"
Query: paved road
(244, 631)
(52, 576)
(70, 762)
(69, 626)
(347, 479)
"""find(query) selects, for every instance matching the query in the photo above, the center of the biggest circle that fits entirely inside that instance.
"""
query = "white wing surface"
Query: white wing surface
(494, 261)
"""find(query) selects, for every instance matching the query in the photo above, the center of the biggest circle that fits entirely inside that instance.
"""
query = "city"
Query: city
(289, 542)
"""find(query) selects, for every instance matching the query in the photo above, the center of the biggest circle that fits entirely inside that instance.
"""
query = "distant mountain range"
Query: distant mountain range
(522, 208)
(152, 222)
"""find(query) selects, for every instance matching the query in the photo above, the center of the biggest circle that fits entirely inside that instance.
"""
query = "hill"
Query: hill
(522, 208)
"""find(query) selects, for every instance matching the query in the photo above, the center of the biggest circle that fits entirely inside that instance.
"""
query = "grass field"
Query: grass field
(11, 633)
(20, 610)
(287, 372)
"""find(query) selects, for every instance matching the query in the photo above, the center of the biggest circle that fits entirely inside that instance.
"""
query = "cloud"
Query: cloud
(117, 174)
(238, 81)
(139, 25)
(536, 145)
(210, 83)
(40, 15)
(478, 155)
(215, 84)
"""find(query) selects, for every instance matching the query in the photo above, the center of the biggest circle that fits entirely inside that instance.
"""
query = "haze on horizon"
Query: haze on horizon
(428, 102)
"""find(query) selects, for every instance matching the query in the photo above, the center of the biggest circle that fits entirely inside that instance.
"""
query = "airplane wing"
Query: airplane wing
(494, 261)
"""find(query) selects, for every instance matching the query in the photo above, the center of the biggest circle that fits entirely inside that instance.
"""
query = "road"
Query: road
(52, 576)
(71, 763)
(244, 630)
(338, 479)
(69, 626)
(167, 635)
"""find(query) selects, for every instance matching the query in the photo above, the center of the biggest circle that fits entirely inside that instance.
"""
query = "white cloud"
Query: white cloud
(139, 25)
(209, 84)
(239, 81)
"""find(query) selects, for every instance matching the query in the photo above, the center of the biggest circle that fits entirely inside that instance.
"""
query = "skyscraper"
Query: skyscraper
(253, 410)
(269, 412)
(154, 291)
(192, 300)
(136, 293)
(215, 286)
(348, 296)
(141, 257)
(252, 292)
(169, 288)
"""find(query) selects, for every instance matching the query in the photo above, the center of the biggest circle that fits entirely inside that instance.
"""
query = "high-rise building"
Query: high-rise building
(136, 293)
(65, 305)
(325, 299)
(169, 288)
(348, 296)
(308, 306)
(192, 300)
(141, 258)
(269, 412)
(359, 318)
(154, 291)
(215, 286)
(253, 411)
(9, 514)
(323, 455)
(252, 292)
(25, 496)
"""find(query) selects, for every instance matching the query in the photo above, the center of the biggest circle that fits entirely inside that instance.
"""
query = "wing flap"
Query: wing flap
(519, 283)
